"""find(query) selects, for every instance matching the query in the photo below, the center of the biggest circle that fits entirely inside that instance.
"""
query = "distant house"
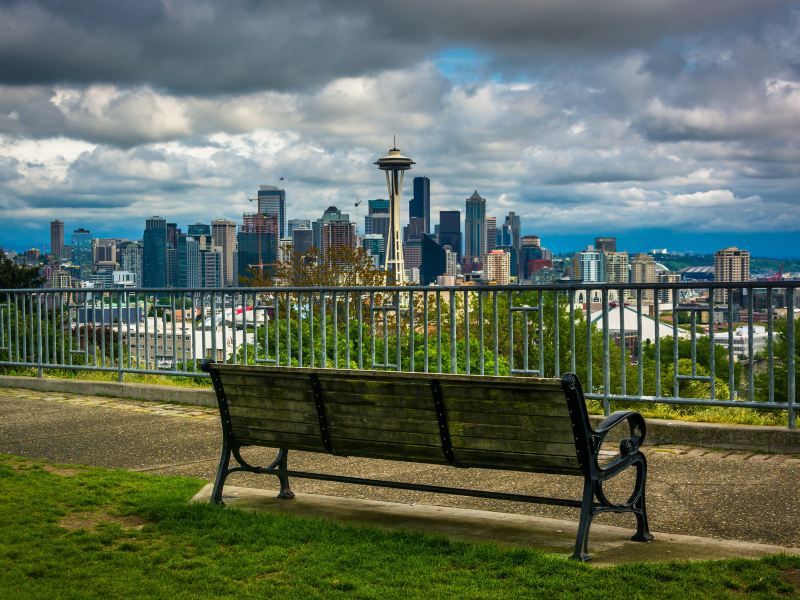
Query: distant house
(627, 316)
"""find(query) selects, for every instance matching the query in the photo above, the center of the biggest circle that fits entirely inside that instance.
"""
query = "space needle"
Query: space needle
(395, 165)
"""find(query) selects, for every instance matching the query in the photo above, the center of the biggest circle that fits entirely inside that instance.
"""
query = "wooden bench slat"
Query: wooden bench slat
(389, 437)
(274, 414)
(507, 407)
(552, 430)
(234, 391)
(517, 461)
(530, 421)
(337, 419)
(388, 451)
(277, 439)
(518, 446)
(311, 429)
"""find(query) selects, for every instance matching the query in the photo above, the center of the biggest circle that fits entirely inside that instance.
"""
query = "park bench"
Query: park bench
(514, 423)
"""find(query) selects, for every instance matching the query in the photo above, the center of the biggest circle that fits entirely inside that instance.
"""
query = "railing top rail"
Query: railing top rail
(571, 285)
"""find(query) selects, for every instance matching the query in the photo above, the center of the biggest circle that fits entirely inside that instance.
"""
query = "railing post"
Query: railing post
(38, 335)
(790, 363)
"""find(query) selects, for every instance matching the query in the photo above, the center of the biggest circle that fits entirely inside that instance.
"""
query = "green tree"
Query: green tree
(780, 348)
(14, 276)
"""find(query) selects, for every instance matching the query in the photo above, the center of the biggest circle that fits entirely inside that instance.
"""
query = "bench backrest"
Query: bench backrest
(518, 423)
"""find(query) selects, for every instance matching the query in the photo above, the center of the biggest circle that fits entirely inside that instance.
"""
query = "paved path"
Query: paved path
(691, 491)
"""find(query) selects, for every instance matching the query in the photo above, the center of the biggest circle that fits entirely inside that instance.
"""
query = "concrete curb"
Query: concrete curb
(766, 440)
(129, 391)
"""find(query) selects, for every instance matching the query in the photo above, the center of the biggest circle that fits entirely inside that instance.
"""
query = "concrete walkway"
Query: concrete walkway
(731, 496)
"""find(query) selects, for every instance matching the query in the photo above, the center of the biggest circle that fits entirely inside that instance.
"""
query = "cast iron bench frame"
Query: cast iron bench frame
(588, 442)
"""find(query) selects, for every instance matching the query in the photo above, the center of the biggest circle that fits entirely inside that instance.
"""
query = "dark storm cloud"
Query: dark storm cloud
(240, 45)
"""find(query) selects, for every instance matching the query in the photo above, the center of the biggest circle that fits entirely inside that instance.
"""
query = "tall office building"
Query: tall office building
(272, 201)
(533, 257)
(730, 264)
(420, 205)
(223, 235)
(491, 233)
(434, 260)
(188, 254)
(513, 222)
(298, 224)
(302, 240)
(198, 229)
(154, 257)
(450, 262)
(375, 244)
(605, 244)
(257, 244)
(131, 256)
(338, 233)
(56, 238)
(616, 267)
(378, 206)
(210, 267)
(104, 250)
(590, 266)
(475, 231)
(498, 267)
(82, 252)
(643, 270)
(450, 231)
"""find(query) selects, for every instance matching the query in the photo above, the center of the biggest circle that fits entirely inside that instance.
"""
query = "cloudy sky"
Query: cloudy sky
(670, 123)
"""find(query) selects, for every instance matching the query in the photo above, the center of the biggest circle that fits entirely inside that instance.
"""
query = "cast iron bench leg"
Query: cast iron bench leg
(222, 473)
(286, 491)
(639, 507)
(582, 540)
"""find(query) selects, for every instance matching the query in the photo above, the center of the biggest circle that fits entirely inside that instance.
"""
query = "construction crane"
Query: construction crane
(777, 276)
(357, 204)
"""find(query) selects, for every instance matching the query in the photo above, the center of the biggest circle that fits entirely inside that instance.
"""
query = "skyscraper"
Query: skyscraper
(154, 256)
(131, 257)
(498, 267)
(730, 264)
(82, 252)
(56, 238)
(338, 233)
(605, 244)
(643, 270)
(223, 235)
(513, 222)
(475, 231)
(420, 205)
(302, 240)
(198, 229)
(188, 254)
(257, 244)
(272, 201)
(434, 261)
(450, 231)
(590, 266)
(616, 266)
(491, 233)
(376, 246)
(298, 224)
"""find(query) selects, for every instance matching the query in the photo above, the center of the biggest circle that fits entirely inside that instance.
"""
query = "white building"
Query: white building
(741, 340)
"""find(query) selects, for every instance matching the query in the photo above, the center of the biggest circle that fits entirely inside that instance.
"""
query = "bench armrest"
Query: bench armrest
(627, 446)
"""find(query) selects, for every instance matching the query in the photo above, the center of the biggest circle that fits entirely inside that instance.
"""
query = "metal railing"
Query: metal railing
(618, 338)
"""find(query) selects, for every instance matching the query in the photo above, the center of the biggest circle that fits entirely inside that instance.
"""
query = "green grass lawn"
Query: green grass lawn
(79, 532)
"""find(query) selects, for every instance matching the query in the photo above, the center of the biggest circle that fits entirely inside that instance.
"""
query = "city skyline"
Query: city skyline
(648, 123)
